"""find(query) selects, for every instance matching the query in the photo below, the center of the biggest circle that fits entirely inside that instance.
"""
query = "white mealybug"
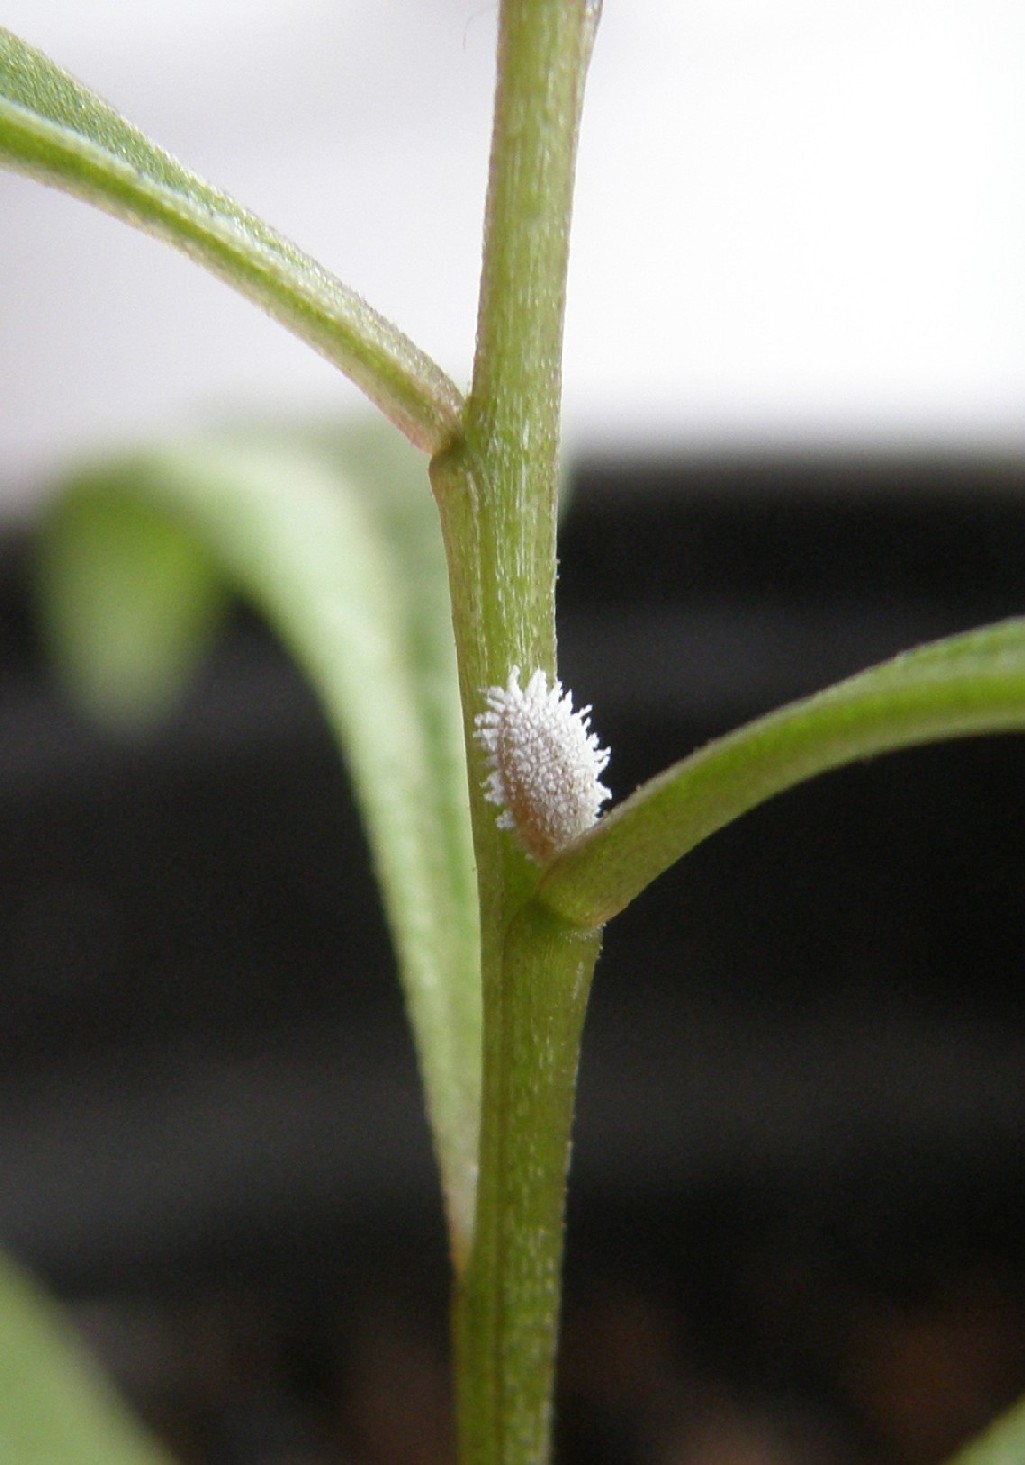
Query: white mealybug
(544, 763)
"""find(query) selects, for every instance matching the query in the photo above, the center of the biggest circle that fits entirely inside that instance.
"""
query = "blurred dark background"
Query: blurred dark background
(796, 1197)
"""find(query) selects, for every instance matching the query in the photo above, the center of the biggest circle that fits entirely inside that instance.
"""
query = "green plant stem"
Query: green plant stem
(507, 1307)
(497, 495)
(513, 410)
(496, 487)
(958, 687)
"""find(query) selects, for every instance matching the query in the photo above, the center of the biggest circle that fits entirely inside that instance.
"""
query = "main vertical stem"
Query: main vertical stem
(507, 1304)
(513, 411)
(497, 494)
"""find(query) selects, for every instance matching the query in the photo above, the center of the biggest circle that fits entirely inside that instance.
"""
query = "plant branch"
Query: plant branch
(968, 684)
(54, 129)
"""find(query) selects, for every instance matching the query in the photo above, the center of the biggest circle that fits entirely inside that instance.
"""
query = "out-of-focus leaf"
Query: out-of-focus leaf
(129, 603)
(339, 547)
(55, 1406)
(55, 129)
(969, 684)
(1002, 1444)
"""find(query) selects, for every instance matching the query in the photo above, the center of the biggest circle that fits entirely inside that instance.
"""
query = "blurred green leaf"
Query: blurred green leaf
(969, 684)
(339, 547)
(1002, 1444)
(56, 1408)
(129, 603)
(54, 129)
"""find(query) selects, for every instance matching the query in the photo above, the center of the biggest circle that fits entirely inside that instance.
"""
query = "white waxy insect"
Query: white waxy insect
(544, 763)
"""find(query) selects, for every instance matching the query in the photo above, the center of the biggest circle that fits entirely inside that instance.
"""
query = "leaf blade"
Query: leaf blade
(55, 1406)
(342, 554)
(1003, 1443)
(55, 130)
(960, 687)
(127, 606)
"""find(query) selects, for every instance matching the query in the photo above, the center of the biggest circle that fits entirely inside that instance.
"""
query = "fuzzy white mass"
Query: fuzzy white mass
(544, 763)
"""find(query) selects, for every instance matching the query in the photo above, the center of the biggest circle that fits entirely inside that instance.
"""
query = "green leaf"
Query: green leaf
(55, 1406)
(973, 683)
(341, 550)
(1002, 1444)
(129, 602)
(56, 130)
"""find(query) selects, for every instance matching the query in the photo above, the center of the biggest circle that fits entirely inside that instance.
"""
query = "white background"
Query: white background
(797, 220)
